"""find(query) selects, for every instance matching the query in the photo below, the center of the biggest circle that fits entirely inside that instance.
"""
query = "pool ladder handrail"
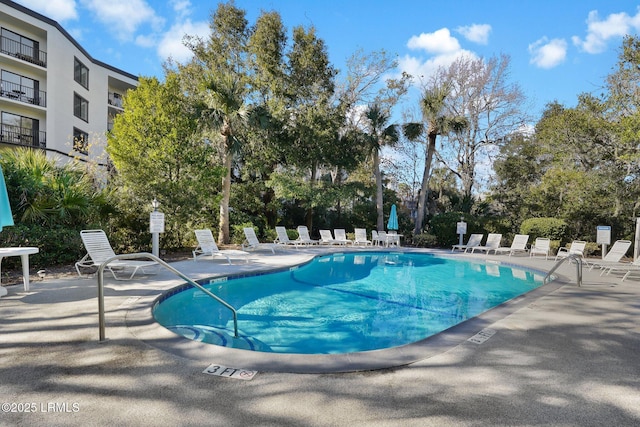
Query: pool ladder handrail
(101, 314)
(575, 257)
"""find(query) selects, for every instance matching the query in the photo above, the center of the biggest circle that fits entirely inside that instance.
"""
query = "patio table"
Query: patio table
(22, 252)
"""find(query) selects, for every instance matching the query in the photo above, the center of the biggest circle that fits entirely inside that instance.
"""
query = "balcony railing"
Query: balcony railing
(17, 135)
(23, 51)
(23, 93)
(114, 99)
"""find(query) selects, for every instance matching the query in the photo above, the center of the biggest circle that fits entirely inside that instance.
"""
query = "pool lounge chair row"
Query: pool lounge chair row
(337, 237)
(541, 246)
(378, 238)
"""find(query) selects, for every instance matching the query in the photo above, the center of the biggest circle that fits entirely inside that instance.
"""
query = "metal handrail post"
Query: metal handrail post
(101, 311)
(577, 259)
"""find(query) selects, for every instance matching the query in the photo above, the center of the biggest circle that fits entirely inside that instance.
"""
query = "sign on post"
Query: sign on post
(603, 237)
(461, 227)
(156, 222)
(156, 226)
(461, 230)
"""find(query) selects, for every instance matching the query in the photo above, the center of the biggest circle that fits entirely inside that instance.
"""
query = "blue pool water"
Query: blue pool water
(344, 303)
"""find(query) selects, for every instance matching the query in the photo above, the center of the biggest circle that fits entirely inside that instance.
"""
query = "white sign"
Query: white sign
(156, 222)
(461, 228)
(603, 236)
(223, 371)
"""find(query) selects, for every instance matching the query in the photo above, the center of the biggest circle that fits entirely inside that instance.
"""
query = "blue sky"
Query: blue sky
(558, 48)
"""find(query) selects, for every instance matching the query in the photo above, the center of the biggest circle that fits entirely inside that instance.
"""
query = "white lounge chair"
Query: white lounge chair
(207, 247)
(576, 248)
(492, 243)
(519, 244)
(361, 237)
(613, 257)
(99, 250)
(252, 242)
(303, 236)
(326, 238)
(627, 267)
(474, 240)
(542, 246)
(283, 238)
(341, 236)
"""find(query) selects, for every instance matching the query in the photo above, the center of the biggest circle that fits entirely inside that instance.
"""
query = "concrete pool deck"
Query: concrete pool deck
(566, 356)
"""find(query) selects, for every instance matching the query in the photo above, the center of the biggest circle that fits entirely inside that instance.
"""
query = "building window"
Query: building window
(22, 47)
(80, 141)
(80, 73)
(20, 130)
(21, 88)
(80, 107)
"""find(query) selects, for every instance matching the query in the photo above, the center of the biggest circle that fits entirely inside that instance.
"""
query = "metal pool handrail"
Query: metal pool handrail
(101, 315)
(577, 259)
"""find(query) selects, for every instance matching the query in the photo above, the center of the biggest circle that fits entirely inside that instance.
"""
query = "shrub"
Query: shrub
(552, 228)
(237, 232)
(58, 245)
(425, 240)
(443, 227)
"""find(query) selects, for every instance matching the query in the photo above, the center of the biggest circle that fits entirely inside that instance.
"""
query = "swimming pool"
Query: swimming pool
(344, 303)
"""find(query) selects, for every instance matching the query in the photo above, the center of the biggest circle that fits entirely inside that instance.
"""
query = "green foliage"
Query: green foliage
(59, 245)
(40, 192)
(237, 232)
(552, 228)
(425, 240)
(158, 154)
(497, 224)
(444, 228)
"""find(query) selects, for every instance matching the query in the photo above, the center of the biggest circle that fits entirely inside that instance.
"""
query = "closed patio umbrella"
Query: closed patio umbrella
(6, 218)
(392, 224)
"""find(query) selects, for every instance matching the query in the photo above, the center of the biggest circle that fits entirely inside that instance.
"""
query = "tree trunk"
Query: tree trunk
(309, 213)
(223, 234)
(424, 189)
(379, 201)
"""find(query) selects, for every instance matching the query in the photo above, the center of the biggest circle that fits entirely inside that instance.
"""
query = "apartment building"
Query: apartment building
(54, 96)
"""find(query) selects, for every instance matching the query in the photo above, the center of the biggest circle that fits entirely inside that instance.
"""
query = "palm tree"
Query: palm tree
(224, 111)
(379, 133)
(45, 193)
(437, 123)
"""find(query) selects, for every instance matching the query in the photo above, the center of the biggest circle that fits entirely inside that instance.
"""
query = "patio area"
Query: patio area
(563, 356)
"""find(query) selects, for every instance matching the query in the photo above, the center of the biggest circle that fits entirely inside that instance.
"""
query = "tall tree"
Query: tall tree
(379, 133)
(219, 78)
(367, 83)
(311, 120)
(435, 122)
(480, 90)
(157, 153)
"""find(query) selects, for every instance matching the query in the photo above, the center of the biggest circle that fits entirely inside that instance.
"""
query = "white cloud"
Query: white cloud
(600, 31)
(182, 8)
(547, 53)
(477, 33)
(124, 17)
(58, 10)
(422, 69)
(147, 41)
(171, 44)
(439, 41)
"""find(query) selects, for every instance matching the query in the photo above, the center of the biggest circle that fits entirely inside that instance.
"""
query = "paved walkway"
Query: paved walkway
(565, 356)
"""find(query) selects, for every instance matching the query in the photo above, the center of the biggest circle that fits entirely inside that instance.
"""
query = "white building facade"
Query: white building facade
(54, 96)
